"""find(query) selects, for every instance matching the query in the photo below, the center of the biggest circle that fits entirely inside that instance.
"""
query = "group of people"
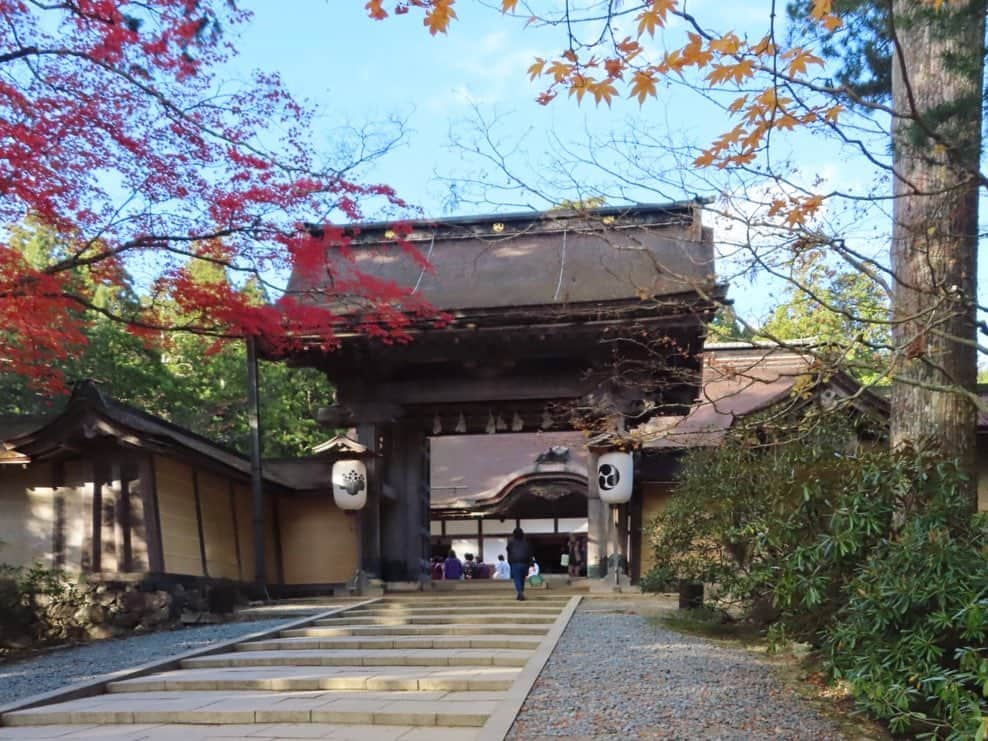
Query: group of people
(469, 568)
(519, 566)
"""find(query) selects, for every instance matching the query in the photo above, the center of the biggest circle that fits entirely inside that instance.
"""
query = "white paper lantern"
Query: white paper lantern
(350, 484)
(615, 477)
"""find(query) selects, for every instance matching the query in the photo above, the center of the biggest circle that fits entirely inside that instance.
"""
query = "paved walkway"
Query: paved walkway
(420, 667)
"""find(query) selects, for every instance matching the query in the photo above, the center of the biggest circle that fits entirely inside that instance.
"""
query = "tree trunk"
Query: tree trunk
(937, 89)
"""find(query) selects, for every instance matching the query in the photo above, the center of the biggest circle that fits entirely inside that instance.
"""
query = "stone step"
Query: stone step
(514, 609)
(379, 642)
(284, 678)
(257, 732)
(365, 657)
(470, 601)
(478, 629)
(249, 707)
(438, 619)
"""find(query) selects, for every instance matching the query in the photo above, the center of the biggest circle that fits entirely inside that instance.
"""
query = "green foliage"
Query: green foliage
(658, 579)
(845, 312)
(38, 603)
(740, 507)
(872, 556)
(861, 50)
(726, 327)
(912, 640)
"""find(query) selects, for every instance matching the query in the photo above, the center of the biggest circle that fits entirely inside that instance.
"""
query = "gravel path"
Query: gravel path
(621, 676)
(73, 664)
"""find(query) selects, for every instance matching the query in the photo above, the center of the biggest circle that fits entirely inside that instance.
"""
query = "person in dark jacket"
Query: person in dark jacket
(519, 556)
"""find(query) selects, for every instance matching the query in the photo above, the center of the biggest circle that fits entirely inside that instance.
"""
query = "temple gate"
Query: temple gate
(559, 320)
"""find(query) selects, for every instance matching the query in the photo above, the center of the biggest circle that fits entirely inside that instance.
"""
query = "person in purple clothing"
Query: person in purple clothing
(453, 567)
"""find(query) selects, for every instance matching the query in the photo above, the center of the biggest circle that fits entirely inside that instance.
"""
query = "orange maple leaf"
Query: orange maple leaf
(704, 160)
(737, 73)
(821, 8)
(602, 90)
(439, 17)
(802, 61)
(727, 44)
(560, 70)
(694, 53)
(508, 6)
(375, 11)
(642, 86)
(614, 67)
(738, 104)
(579, 87)
(629, 47)
(654, 17)
(536, 69)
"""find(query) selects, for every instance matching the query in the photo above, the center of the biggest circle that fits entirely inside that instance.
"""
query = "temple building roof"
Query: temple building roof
(554, 258)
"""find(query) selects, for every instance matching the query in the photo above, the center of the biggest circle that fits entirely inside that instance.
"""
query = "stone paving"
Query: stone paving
(417, 667)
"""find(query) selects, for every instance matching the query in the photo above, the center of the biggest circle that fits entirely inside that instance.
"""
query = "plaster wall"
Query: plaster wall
(244, 506)
(655, 497)
(218, 526)
(26, 515)
(177, 513)
(319, 541)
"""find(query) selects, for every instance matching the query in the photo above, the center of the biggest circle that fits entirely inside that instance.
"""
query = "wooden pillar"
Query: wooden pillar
(100, 475)
(256, 483)
(597, 518)
(370, 515)
(636, 526)
(405, 521)
(152, 518)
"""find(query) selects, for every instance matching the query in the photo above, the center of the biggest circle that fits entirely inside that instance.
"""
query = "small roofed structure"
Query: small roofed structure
(104, 488)
(341, 446)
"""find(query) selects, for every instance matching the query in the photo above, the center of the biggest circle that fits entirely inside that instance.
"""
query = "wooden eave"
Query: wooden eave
(510, 225)
(492, 506)
(90, 416)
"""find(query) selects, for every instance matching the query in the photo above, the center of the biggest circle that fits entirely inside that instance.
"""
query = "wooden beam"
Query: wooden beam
(96, 543)
(152, 516)
(236, 527)
(256, 481)
(199, 527)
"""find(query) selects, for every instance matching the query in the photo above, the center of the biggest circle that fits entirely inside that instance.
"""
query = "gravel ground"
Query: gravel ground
(621, 676)
(64, 666)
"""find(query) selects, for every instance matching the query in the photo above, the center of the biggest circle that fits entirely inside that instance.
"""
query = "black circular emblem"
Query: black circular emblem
(353, 483)
(608, 477)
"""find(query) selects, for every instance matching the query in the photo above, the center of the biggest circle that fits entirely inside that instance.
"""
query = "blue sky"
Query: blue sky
(356, 70)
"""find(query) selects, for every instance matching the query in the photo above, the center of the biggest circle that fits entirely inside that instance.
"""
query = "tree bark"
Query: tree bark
(938, 72)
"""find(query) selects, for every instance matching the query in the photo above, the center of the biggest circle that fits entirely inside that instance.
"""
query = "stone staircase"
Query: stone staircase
(410, 667)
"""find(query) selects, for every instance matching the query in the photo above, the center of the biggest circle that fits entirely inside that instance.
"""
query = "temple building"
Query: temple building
(571, 336)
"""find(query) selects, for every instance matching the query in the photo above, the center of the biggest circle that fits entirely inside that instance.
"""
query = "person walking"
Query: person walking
(519, 557)
(575, 553)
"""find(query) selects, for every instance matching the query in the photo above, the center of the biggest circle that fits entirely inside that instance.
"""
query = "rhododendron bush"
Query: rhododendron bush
(118, 135)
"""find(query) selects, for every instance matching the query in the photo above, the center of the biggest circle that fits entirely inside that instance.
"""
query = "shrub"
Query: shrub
(912, 640)
(39, 604)
(658, 579)
(741, 509)
(873, 557)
